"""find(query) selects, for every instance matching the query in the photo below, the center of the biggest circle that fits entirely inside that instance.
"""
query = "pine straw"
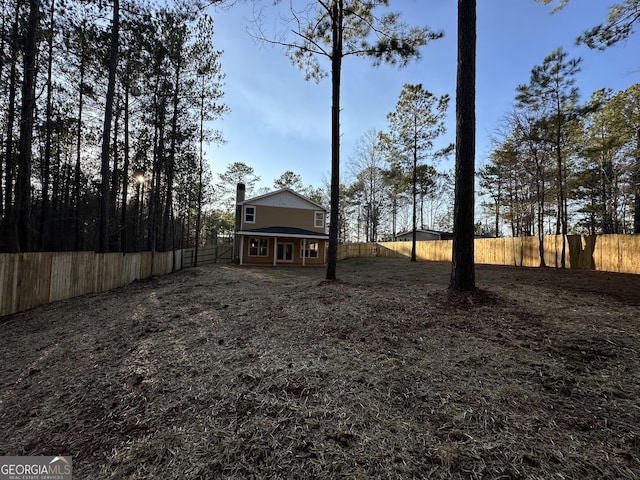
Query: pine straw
(228, 372)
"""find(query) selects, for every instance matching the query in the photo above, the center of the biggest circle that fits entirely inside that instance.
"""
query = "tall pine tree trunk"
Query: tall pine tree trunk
(414, 199)
(56, 173)
(562, 212)
(9, 229)
(46, 213)
(394, 216)
(463, 268)
(636, 185)
(540, 191)
(158, 166)
(168, 222)
(23, 181)
(154, 166)
(336, 67)
(79, 244)
(124, 238)
(2, 49)
(103, 234)
(67, 209)
(115, 183)
(200, 168)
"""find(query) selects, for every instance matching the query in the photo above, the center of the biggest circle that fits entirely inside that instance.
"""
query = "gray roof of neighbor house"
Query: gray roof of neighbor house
(424, 230)
(285, 231)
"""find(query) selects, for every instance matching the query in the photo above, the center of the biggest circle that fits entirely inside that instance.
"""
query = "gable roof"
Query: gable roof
(270, 199)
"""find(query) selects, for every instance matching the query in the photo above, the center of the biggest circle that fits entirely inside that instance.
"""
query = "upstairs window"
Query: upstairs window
(249, 214)
(318, 219)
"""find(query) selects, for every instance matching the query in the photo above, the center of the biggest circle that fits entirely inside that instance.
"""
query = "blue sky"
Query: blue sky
(279, 121)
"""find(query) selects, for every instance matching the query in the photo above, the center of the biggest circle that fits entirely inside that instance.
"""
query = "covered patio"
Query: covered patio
(282, 246)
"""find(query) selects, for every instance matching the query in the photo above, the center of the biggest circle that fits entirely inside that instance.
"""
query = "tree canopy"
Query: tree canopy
(118, 106)
(619, 24)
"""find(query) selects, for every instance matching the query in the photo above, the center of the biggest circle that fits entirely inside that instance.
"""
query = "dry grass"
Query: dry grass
(228, 372)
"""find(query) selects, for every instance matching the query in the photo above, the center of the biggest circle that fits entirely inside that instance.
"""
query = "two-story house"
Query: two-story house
(279, 228)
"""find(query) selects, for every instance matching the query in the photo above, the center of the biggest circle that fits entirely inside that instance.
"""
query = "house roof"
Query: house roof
(423, 230)
(291, 232)
(280, 192)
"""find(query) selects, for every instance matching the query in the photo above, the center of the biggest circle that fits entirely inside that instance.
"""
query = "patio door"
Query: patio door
(285, 252)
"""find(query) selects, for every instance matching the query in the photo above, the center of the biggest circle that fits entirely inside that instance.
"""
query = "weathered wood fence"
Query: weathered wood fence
(31, 279)
(207, 255)
(611, 253)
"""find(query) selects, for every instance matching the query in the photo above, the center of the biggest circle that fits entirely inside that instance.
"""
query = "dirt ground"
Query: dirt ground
(227, 372)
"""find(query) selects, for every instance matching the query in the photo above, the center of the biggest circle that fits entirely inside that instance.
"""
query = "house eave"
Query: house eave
(283, 235)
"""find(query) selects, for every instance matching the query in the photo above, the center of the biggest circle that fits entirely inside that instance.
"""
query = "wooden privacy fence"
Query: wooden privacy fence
(207, 255)
(610, 253)
(31, 279)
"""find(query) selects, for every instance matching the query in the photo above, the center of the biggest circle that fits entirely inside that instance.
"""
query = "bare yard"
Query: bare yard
(226, 372)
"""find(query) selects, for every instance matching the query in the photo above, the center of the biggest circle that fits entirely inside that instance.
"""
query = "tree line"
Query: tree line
(104, 110)
(562, 166)
(552, 151)
(103, 117)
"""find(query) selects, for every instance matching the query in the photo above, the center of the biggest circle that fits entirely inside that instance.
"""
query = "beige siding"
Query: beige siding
(267, 216)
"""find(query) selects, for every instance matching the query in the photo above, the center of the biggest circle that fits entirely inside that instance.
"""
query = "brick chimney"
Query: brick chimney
(240, 192)
(239, 199)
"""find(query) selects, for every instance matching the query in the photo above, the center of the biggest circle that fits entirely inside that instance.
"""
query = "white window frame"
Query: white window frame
(306, 249)
(318, 215)
(261, 246)
(246, 212)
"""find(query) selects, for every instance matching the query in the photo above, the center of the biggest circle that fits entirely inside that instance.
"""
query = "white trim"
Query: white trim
(304, 244)
(283, 235)
(315, 223)
(244, 213)
(275, 251)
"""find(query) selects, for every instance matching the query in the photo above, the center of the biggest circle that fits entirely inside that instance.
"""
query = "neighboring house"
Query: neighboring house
(279, 228)
(422, 235)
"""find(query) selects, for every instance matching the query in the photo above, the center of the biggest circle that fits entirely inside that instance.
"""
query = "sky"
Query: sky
(279, 122)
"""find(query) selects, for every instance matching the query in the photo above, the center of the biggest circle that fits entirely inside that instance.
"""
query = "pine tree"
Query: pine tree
(551, 91)
(415, 124)
(23, 219)
(337, 29)
(463, 268)
(105, 211)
